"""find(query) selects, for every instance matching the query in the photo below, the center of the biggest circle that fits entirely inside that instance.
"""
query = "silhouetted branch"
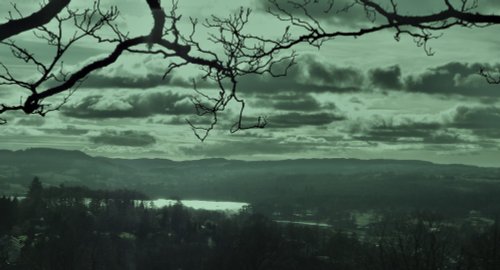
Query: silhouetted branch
(243, 54)
(48, 70)
(37, 19)
(240, 54)
(492, 79)
(421, 28)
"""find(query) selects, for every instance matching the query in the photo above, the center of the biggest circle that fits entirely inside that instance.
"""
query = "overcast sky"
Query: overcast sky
(370, 97)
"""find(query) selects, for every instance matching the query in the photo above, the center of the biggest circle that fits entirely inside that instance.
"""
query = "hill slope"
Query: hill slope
(312, 183)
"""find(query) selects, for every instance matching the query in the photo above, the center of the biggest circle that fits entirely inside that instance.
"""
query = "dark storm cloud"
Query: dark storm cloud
(309, 75)
(133, 106)
(482, 121)
(124, 138)
(454, 78)
(386, 78)
(294, 119)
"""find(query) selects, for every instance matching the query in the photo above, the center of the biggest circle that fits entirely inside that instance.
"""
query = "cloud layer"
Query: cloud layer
(123, 138)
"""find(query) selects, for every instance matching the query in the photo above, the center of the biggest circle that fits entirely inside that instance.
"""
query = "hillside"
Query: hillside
(286, 185)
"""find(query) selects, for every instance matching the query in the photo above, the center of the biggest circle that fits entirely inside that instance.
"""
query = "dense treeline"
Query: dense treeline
(327, 195)
(53, 228)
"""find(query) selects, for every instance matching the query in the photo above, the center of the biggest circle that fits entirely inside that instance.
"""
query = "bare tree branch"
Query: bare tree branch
(420, 25)
(240, 54)
(422, 28)
(37, 19)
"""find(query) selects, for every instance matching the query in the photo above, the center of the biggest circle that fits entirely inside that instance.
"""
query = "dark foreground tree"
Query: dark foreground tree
(238, 54)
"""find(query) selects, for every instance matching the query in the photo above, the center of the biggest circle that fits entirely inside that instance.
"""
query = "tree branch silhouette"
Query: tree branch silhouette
(241, 55)
(421, 28)
(37, 19)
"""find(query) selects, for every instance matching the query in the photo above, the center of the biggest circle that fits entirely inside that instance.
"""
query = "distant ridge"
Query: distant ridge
(45, 151)
(80, 154)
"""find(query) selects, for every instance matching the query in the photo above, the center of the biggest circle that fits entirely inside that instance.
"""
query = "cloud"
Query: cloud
(388, 131)
(477, 125)
(101, 80)
(254, 144)
(443, 137)
(123, 138)
(133, 81)
(182, 120)
(482, 121)
(31, 120)
(139, 73)
(324, 11)
(410, 131)
(290, 102)
(68, 130)
(294, 119)
(454, 78)
(386, 78)
(356, 100)
(240, 148)
(312, 75)
(133, 106)
(309, 75)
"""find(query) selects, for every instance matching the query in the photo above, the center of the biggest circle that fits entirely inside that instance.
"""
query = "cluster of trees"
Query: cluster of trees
(63, 232)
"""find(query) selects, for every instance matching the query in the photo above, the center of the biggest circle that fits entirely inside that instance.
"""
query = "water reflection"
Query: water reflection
(199, 204)
(305, 223)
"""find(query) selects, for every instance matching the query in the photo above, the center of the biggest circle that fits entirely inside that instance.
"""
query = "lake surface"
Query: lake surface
(232, 207)
(305, 223)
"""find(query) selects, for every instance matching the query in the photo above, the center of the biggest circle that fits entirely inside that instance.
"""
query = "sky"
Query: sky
(369, 97)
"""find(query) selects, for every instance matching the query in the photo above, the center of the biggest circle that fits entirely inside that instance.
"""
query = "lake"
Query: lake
(230, 207)
(305, 223)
